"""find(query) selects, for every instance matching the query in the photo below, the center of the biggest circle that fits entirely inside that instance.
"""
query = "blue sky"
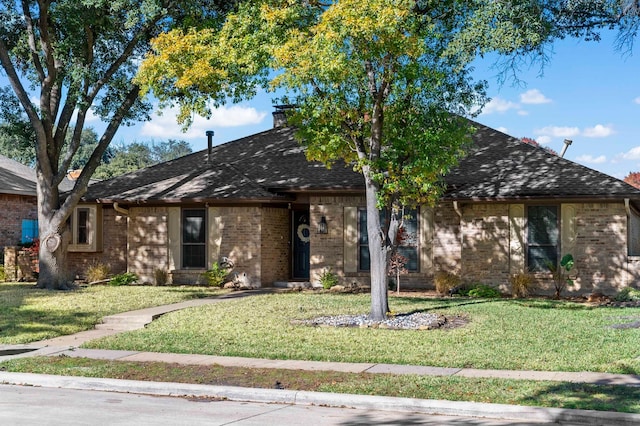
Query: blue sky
(588, 92)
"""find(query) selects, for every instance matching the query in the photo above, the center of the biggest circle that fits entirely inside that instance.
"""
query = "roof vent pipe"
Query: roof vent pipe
(567, 142)
(209, 134)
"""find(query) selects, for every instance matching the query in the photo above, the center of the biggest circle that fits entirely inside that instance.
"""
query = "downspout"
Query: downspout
(627, 207)
(456, 207)
(120, 210)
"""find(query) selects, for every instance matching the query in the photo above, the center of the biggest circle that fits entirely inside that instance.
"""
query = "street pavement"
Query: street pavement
(26, 406)
(69, 346)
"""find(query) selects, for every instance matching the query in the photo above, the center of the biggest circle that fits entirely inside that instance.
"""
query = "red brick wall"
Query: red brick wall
(14, 208)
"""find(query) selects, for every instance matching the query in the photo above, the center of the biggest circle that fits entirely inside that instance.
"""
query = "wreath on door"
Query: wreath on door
(305, 238)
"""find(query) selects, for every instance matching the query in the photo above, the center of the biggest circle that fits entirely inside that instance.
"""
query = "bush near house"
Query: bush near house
(446, 281)
(126, 278)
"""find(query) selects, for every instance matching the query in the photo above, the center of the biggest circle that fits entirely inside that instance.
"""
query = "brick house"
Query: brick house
(508, 207)
(18, 205)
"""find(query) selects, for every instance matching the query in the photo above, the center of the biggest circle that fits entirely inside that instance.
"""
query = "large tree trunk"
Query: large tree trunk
(54, 238)
(378, 253)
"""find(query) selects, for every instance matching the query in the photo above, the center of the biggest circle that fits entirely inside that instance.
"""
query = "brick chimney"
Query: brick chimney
(280, 115)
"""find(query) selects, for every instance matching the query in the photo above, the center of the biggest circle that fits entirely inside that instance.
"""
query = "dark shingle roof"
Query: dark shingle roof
(16, 178)
(502, 167)
(267, 165)
(258, 167)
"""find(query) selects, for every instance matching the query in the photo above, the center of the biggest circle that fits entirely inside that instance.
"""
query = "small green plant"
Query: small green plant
(628, 294)
(126, 278)
(3, 277)
(483, 291)
(97, 272)
(446, 281)
(521, 284)
(328, 279)
(217, 275)
(561, 275)
(160, 276)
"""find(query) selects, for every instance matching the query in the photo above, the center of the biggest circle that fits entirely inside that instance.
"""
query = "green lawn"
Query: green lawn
(28, 314)
(500, 334)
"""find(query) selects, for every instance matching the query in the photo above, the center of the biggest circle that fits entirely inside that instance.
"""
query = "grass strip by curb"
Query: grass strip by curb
(501, 391)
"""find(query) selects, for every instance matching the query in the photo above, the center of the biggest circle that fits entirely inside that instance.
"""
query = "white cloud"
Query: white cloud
(558, 131)
(503, 129)
(534, 97)
(543, 140)
(499, 105)
(598, 131)
(632, 154)
(637, 100)
(165, 125)
(589, 159)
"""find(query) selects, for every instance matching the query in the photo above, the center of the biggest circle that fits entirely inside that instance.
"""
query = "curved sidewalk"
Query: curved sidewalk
(69, 346)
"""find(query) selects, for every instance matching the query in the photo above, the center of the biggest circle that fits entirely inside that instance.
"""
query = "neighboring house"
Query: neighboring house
(18, 205)
(508, 207)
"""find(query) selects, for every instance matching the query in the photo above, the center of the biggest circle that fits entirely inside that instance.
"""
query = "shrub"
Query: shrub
(160, 276)
(3, 277)
(97, 272)
(521, 284)
(628, 294)
(483, 291)
(445, 281)
(216, 276)
(126, 278)
(561, 274)
(328, 279)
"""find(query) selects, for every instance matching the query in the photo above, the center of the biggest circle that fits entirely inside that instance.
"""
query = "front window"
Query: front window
(542, 237)
(408, 247)
(82, 226)
(193, 238)
(86, 229)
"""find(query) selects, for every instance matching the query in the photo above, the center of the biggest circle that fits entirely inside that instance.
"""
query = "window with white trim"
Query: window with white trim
(86, 228)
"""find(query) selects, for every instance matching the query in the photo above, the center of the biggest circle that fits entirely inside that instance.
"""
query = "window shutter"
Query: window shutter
(173, 226)
(426, 239)
(350, 239)
(568, 229)
(516, 238)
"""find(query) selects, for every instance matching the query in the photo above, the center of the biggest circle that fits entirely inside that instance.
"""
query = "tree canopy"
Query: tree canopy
(383, 84)
(137, 155)
(75, 57)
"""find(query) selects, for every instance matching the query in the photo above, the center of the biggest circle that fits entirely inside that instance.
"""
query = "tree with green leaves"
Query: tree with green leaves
(373, 84)
(77, 57)
(137, 155)
(381, 84)
(16, 134)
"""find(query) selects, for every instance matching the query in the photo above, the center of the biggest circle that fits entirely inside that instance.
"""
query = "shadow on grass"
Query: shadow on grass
(601, 397)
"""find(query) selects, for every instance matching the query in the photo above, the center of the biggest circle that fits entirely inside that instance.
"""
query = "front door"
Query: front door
(301, 235)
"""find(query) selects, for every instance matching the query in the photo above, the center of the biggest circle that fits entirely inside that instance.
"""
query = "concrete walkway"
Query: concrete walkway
(69, 346)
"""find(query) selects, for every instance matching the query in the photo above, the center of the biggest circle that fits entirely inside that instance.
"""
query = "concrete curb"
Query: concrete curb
(381, 403)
